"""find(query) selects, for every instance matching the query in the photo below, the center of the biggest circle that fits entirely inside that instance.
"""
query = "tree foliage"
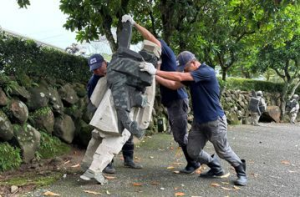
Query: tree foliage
(226, 33)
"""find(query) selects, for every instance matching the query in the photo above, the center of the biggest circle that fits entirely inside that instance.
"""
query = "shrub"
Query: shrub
(10, 157)
(19, 57)
(51, 146)
(250, 84)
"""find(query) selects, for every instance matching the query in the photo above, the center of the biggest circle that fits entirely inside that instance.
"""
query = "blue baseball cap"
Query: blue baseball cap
(183, 58)
(95, 61)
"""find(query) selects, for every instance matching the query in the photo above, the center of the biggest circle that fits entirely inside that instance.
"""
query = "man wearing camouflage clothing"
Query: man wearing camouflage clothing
(257, 106)
(293, 108)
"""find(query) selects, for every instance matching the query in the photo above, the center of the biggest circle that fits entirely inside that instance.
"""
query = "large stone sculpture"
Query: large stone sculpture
(124, 99)
(127, 82)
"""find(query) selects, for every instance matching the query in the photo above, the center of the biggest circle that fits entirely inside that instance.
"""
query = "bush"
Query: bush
(19, 56)
(51, 146)
(10, 157)
(250, 84)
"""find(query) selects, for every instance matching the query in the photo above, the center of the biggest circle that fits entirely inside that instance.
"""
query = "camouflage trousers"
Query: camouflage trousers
(254, 118)
(102, 148)
(293, 116)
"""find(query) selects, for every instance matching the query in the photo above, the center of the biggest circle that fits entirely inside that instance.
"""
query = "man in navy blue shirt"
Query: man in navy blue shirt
(99, 66)
(209, 122)
(176, 101)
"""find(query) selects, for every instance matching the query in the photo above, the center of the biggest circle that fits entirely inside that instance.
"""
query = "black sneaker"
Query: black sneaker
(109, 169)
(212, 174)
(131, 164)
(189, 169)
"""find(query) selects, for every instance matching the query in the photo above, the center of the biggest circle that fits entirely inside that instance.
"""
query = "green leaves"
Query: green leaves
(23, 3)
(10, 157)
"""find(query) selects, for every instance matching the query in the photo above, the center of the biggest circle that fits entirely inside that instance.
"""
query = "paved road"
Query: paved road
(273, 167)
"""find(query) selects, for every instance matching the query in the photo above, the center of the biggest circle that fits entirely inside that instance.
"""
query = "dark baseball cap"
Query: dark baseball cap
(183, 58)
(95, 61)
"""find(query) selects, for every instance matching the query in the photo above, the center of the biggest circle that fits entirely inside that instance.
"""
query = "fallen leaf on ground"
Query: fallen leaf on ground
(66, 162)
(151, 157)
(91, 192)
(75, 166)
(179, 194)
(137, 184)
(225, 175)
(110, 177)
(176, 172)
(107, 192)
(291, 171)
(170, 167)
(285, 162)
(226, 188)
(255, 175)
(48, 193)
(215, 184)
(236, 187)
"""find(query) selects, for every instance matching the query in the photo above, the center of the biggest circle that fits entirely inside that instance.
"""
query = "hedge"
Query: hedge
(19, 57)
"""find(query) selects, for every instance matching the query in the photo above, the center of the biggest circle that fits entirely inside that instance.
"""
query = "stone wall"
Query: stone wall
(60, 109)
(235, 104)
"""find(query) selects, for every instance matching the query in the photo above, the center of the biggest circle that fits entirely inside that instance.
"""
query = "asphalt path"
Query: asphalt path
(270, 150)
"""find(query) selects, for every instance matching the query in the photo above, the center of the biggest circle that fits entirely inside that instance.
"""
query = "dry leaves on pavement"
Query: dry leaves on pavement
(137, 184)
(91, 192)
(48, 193)
(179, 194)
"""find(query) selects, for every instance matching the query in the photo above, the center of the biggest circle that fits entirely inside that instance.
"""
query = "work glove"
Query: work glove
(129, 18)
(148, 67)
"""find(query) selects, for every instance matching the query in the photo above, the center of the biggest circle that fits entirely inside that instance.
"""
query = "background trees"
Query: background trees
(244, 38)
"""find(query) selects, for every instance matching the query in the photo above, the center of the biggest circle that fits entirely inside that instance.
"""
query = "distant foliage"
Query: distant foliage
(250, 84)
(10, 157)
(18, 56)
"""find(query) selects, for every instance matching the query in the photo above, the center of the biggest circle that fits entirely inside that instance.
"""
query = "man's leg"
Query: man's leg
(177, 115)
(293, 117)
(218, 137)
(110, 146)
(256, 119)
(128, 151)
(197, 139)
(91, 149)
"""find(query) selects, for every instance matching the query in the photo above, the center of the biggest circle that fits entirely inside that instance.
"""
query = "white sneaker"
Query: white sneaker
(87, 176)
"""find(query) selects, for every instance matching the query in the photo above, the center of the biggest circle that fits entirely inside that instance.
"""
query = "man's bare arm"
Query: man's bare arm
(173, 85)
(147, 35)
(175, 76)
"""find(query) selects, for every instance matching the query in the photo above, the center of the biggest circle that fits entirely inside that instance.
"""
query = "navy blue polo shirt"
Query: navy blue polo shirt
(169, 64)
(205, 92)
